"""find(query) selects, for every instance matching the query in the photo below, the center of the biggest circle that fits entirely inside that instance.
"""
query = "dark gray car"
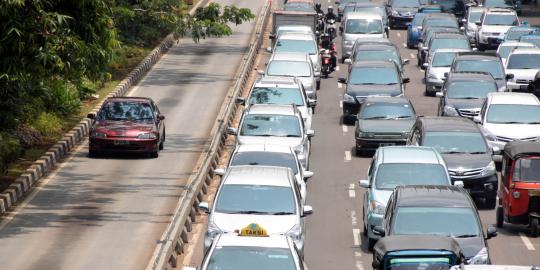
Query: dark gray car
(463, 93)
(465, 150)
(383, 121)
(484, 62)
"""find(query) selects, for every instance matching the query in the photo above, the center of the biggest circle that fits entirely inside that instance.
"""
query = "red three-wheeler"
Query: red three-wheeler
(519, 194)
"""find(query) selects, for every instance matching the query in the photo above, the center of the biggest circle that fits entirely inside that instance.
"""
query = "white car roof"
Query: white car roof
(508, 43)
(500, 10)
(363, 15)
(271, 241)
(295, 27)
(271, 109)
(286, 56)
(258, 175)
(525, 50)
(512, 98)
(451, 50)
(492, 267)
(409, 154)
(277, 81)
(277, 148)
(296, 36)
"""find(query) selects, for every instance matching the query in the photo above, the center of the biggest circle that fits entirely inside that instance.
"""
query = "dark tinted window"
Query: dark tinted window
(265, 159)
(247, 258)
(491, 66)
(446, 221)
(527, 170)
(126, 111)
(374, 76)
(470, 89)
(524, 61)
(264, 199)
(386, 110)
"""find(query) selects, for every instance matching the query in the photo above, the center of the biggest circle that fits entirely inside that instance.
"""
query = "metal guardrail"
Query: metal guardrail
(176, 235)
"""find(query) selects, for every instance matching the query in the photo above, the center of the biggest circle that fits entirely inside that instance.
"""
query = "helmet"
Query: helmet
(330, 9)
(318, 5)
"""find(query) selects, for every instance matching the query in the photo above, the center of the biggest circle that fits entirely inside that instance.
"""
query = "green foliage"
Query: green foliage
(48, 125)
(10, 149)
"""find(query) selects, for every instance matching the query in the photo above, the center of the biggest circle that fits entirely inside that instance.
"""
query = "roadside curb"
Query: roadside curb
(175, 237)
(46, 163)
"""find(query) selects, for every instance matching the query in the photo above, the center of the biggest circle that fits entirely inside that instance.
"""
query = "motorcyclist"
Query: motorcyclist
(330, 14)
(326, 43)
(318, 9)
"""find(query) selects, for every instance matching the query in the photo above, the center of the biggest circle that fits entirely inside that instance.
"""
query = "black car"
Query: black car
(370, 78)
(484, 62)
(383, 121)
(438, 210)
(463, 93)
(465, 150)
(401, 12)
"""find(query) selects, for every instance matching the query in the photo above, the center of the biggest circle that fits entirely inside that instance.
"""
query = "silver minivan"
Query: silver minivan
(359, 25)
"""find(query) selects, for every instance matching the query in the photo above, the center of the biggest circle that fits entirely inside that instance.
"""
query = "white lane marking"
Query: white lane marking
(353, 218)
(341, 103)
(356, 237)
(339, 85)
(526, 241)
(398, 34)
(347, 155)
(352, 192)
(337, 68)
(344, 128)
(357, 254)
(413, 56)
(359, 265)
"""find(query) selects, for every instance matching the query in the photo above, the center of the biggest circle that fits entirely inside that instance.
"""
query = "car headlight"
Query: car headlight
(489, 136)
(348, 98)
(482, 257)
(448, 110)
(366, 134)
(394, 12)
(295, 232)
(99, 135)
(213, 230)
(147, 136)
(377, 207)
(489, 169)
(432, 76)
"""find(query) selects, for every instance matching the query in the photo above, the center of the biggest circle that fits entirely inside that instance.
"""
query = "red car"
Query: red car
(127, 124)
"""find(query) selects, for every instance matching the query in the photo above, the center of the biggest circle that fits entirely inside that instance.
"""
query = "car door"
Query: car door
(504, 191)
(368, 195)
(159, 123)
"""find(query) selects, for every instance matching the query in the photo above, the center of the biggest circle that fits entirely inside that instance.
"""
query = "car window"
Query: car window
(443, 23)
(449, 43)
(514, 114)
(443, 59)
(126, 111)
(240, 257)
(373, 75)
(474, 16)
(391, 175)
(504, 51)
(405, 3)
(500, 19)
(534, 39)
(418, 19)
(292, 45)
(362, 26)
(383, 55)
(276, 95)
(523, 61)
(491, 66)
(271, 125)
(255, 198)
(265, 158)
(289, 68)
(455, 142)
(527, 170)
(515, 34)
(386, 110)
(447, 221)
(470, 89)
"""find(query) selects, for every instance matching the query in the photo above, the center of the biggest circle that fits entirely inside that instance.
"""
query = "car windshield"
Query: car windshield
(499, 19)
(474, 16)
(374, 75)
(531, 39)
(289, 68)
(446, 221)
(514, 114)
(292, 45)
(443, 59)
(248, 258)
(449, 43)
(418, 19)
(256, 199)
(527, 170)
(391, 175)
(504, 51)
(443, 23)
(470, 89)
(362, 26)
(523, 61)
(376, 10)
(271, 125)
(363, 55)
(386, 110)
(276, 95)
(445, 4)
(405, 3)
(515, 34)
(455, 142)
(126, 111)
(498, 3)
(299, 6)
(265, 158)
(490, 66)
(412, 263)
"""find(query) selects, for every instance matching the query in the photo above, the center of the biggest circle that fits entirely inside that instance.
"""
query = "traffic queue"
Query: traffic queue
(428, 174)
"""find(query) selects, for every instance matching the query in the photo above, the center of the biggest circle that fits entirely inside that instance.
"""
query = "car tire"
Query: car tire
(162, 143)
(410, 46)
(490, 201)
(534, 227)
(92, 153)
(364, 232)
(318, 84)
(499, 216)
(371, 243)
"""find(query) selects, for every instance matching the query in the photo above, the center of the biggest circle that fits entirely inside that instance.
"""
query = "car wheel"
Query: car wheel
(534, 227)
(364, 232)
(491, 201)
(371, 243)
(161, 144)
(92, 154)
(318, 84)
(500, 216)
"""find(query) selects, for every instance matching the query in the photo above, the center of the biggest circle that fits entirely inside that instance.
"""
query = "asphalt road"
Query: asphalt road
(334, 239)
(108, 213)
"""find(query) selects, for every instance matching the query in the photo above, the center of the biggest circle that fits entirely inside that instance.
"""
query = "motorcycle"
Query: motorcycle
(320, 22)
(331, 28)
(326, 60)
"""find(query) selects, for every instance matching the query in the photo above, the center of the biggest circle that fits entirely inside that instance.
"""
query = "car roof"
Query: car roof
(364, 4)
(258, 175)
(449, 35)
(377, 47)
(453, 124)
(374, 63)
(476, 56)
(499, 10)
(409, 154)
(452, 50)
(516, 148)
(285, 82)
(263, 147)
(516, 43)
(512, 98)
(470, 76)
(363, 15)
(234, 240)
(440, 15)
(296, 36)
(432, 195)
(287, 56)
(476, 8)
(383, 99)
(271, 109)
(526, 50)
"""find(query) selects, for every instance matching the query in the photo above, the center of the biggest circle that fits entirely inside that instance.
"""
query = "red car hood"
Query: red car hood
(124, 128)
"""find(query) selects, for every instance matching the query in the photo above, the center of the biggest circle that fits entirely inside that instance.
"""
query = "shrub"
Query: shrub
(10, 149)
(28, 136)
(62, 98)
(48, 124)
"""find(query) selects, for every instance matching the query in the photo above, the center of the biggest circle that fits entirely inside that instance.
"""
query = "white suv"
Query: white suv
(493, 26)
(521, 67)
(506, 117)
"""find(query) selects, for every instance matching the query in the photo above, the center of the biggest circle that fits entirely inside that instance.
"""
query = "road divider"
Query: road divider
(173, 240)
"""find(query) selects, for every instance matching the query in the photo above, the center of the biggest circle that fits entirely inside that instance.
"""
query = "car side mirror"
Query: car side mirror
(342, 80)
(204, 206)
(425, 65)
(260, 72)
(219, 171)
(474, 49)
(161, 117)
(308, 210)
(405, 61)
(477, 119)
(379, 231)
(341, 29)
(464, 20)
(272, 37)
(459, 184)
(308, 174)
(364, 183)
(439, 94)
(461, 28)
(91, 116)
(347, 61)
(405, 80)
(241, 100)
(312, 103)
(317, 74)
(446, 74)
(478, 23)
(232, 131)
(491, 232)
(495, 150)
(269, 49)
(509, 76)
(310, 133)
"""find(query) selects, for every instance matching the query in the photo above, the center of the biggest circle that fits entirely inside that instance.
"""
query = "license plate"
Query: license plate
(121, 142)
(387, 144)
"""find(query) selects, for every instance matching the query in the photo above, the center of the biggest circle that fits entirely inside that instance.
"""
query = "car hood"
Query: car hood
(380, 125)
(470, 246)
(405, 11)
(495, 28)
(459, 103)
(272, 224)
(292, 142)
(124, 128)
(439, 71)
(513, 131)
(523, 74)
(466, 161)
(364, 90)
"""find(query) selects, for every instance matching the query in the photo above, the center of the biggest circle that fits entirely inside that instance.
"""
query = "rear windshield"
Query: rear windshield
(361, 26)
(493, 67)
(524, 61)
(527, 170)
(391, 175)
(449, 43)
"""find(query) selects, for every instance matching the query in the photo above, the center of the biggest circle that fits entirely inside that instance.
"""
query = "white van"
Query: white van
(359, 25)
